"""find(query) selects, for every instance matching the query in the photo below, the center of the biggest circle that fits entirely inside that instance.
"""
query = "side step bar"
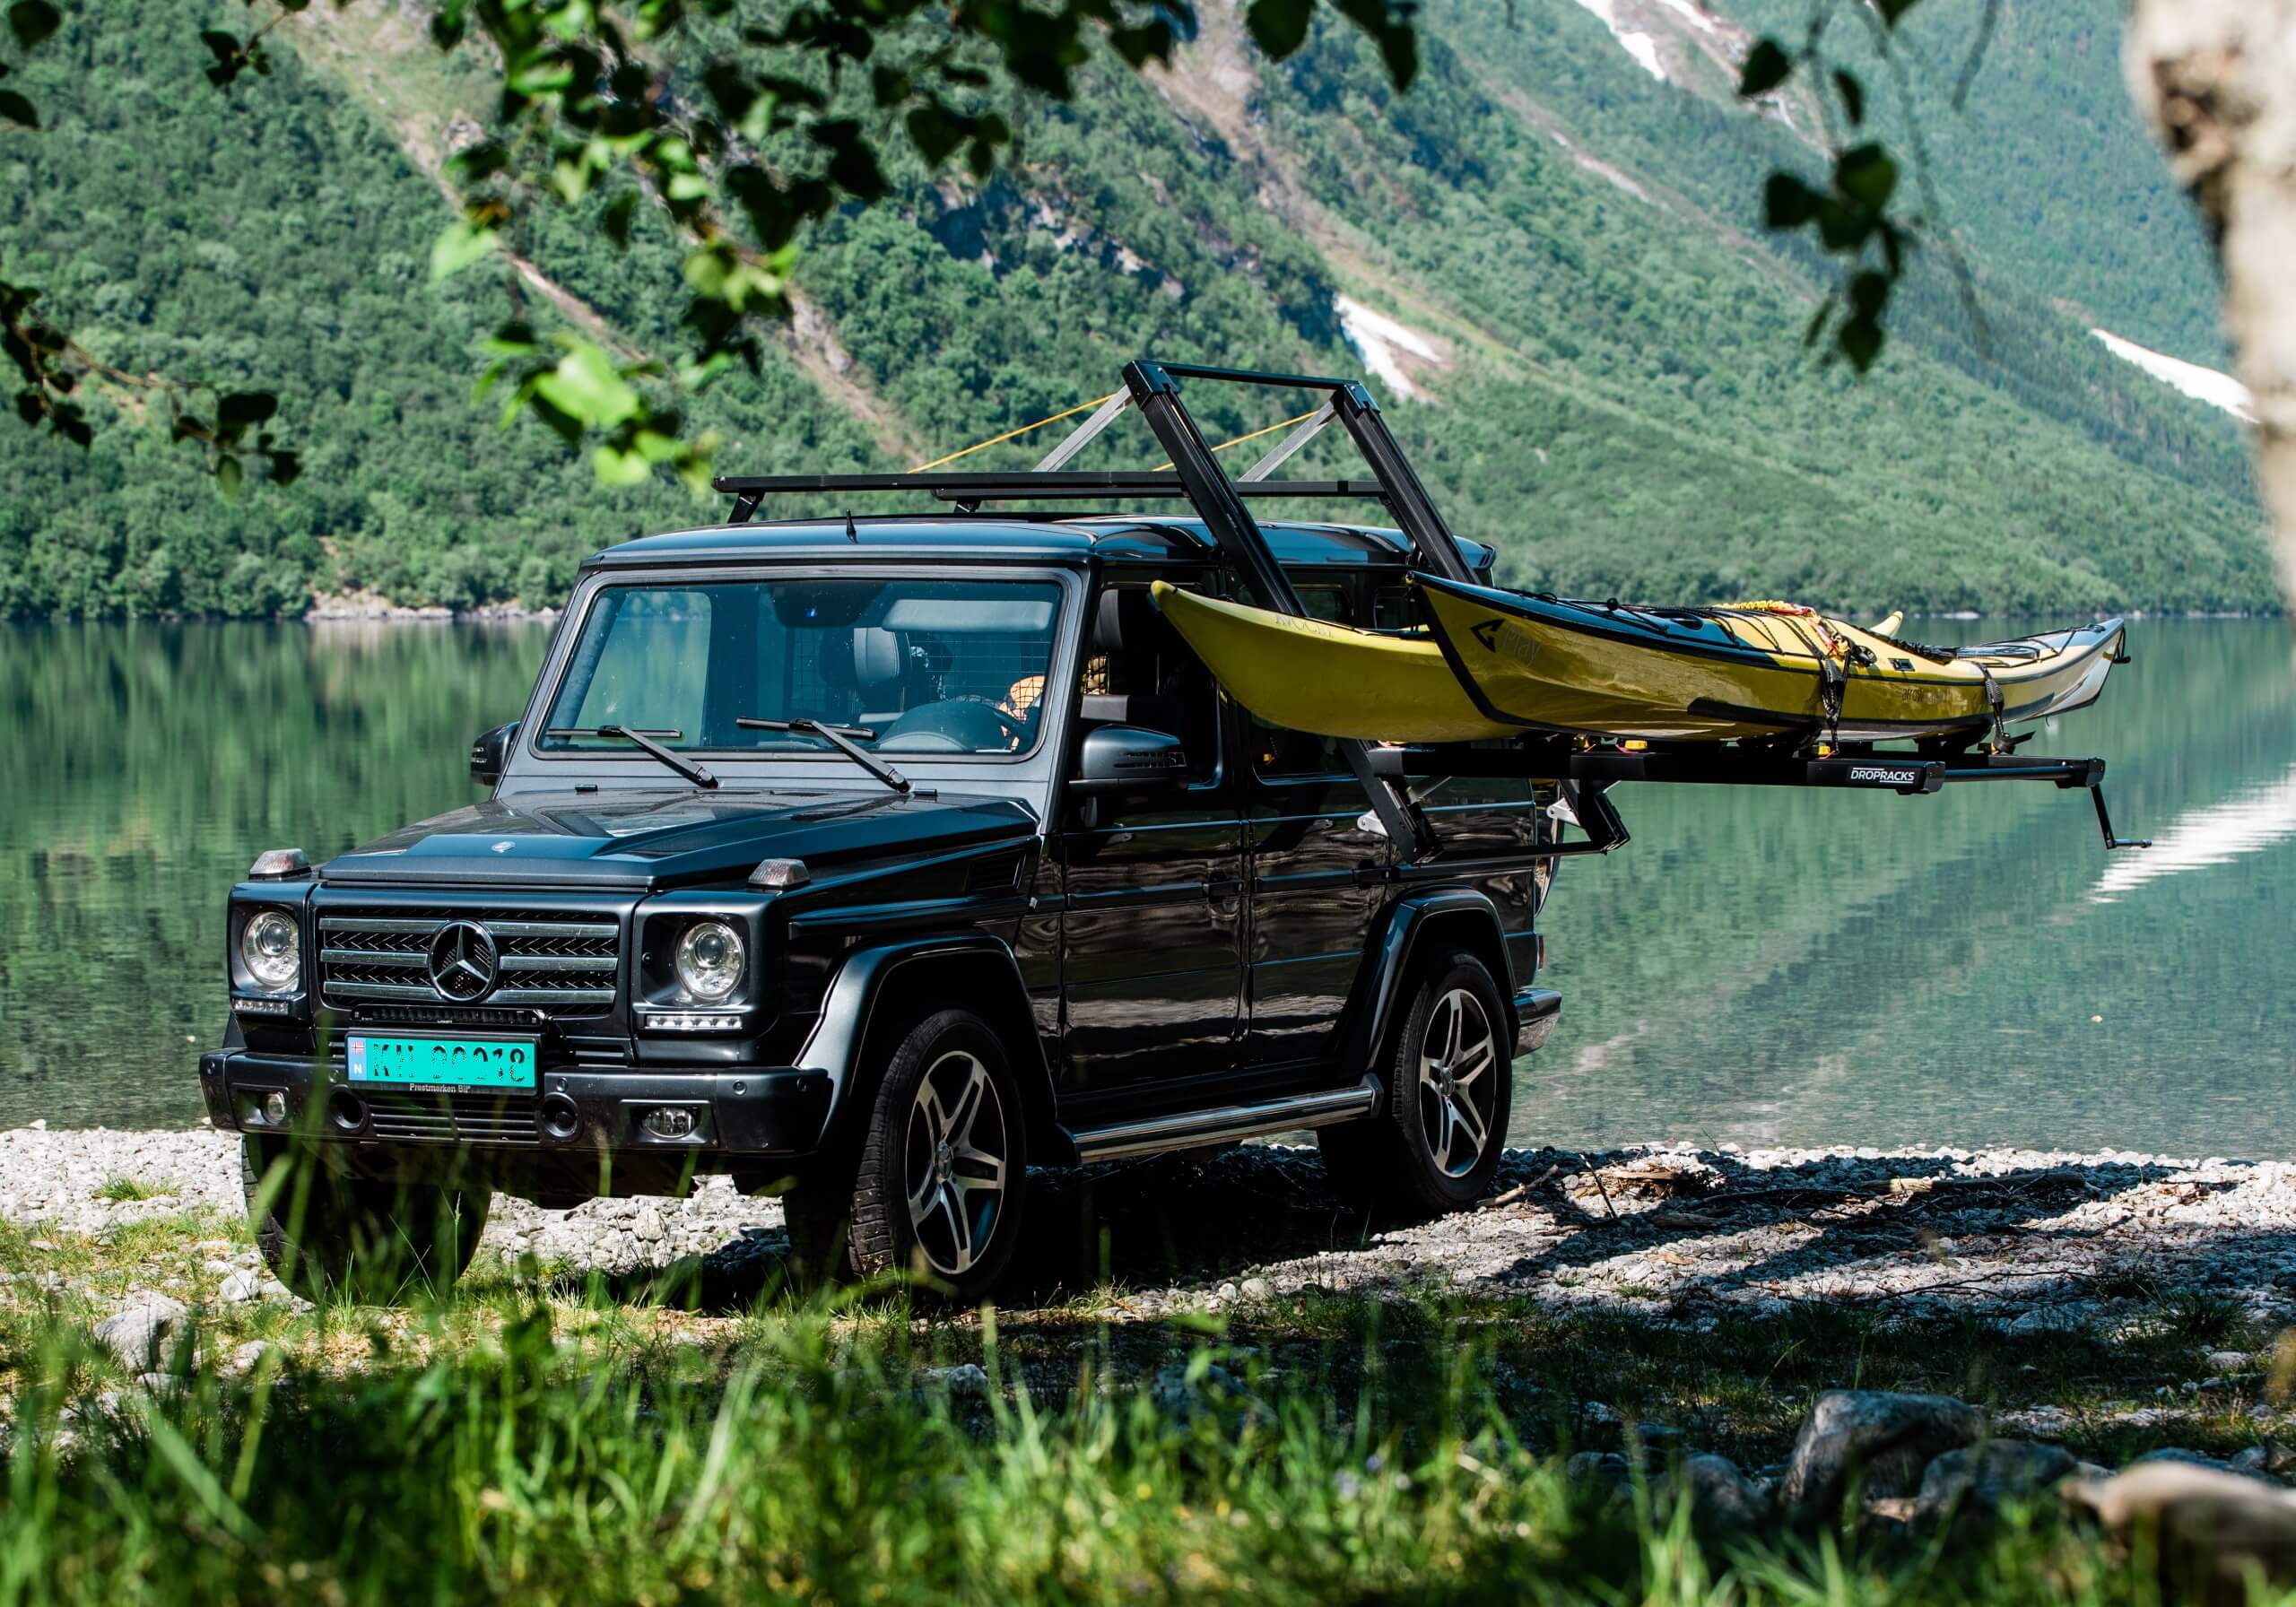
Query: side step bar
(1192, 1129)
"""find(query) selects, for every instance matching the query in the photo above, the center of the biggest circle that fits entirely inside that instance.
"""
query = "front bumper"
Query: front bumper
(777, 1110)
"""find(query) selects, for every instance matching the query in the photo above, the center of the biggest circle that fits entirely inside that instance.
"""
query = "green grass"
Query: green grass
(561, 1439)
(119, 1191)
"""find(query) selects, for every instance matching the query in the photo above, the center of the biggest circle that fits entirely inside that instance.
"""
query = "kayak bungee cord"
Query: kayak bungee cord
(998, 440)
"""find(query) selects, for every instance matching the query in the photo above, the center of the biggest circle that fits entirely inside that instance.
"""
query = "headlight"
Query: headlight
(709, 960)
(271, 949)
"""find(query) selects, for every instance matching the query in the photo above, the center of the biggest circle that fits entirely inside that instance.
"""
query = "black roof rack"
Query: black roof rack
(968, 490)
(1587, 771)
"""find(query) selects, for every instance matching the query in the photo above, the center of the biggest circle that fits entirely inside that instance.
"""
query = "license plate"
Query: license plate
(455, 1063)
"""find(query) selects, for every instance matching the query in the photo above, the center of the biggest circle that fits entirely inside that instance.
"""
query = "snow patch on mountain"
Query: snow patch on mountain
(1385, 346)
(2205, 385)
(1640, 45)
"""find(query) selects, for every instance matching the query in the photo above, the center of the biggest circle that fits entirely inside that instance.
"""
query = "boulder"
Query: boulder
(240, 1287)
(1887, 1440)
(144, 1333)
(1982, 1477)
(1722, 1500)
(2184, 1458)
(1606, 1471)
(2207, 1527)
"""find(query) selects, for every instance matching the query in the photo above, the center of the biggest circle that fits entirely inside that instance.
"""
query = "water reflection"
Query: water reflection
(2245, 823)
(1757, 966)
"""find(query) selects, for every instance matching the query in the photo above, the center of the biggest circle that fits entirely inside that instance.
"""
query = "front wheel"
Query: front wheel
(324, 1234)
(937, 1188)
(1436, 1142)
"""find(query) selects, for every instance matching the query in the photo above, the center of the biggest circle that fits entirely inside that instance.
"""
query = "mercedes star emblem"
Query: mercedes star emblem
(464, 964)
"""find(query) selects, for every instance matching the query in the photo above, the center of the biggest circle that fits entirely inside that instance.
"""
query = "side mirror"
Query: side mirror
(487, 752)
(1122, 759)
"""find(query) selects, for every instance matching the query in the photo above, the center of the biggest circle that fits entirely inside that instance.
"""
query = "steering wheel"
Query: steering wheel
(958, 723)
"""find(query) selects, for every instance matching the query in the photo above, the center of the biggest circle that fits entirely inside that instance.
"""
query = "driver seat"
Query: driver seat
(865, 663)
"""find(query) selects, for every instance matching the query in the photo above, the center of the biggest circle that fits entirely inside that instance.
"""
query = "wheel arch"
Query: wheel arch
(880, 991)
(1416, 925)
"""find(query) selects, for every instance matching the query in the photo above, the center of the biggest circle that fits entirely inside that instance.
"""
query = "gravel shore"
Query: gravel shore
(2028, 1240)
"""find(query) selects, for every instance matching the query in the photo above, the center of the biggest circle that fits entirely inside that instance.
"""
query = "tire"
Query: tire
(1435, 1144)
(937, 1187)
(326, 1236)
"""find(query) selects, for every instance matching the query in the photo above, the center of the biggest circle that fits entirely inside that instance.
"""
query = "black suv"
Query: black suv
(874, 860)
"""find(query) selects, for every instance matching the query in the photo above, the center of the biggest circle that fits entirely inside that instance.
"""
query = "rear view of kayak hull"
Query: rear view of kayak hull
(1328, 680)
(1545, 663)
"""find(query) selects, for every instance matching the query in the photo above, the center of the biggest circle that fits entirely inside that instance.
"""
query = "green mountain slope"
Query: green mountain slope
(1594, 352)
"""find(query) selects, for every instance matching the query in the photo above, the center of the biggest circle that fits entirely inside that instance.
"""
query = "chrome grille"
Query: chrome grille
(452, 1118)
(563, 963)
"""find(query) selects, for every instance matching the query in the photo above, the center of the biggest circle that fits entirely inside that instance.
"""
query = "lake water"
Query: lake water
(1756, 967)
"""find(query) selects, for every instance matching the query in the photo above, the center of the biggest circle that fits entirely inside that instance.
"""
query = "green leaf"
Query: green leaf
(585, 386)
(1389, 24)
(460, 244)
(1852, 96)
(616, 218)
(1767, 67)
(1787, 203)
(32, 20)
(17, 109)
(1860, 340)
(934, 133)
(228, 477)
(1280, 27)
(1866, 174)
(447, 23)
(247, 407)
(615, 467)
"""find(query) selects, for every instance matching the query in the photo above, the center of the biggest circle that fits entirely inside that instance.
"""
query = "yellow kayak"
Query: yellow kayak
(1328, 680)
(1543, 663)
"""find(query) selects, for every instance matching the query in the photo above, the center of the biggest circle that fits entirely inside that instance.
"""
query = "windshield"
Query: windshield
(904, 666)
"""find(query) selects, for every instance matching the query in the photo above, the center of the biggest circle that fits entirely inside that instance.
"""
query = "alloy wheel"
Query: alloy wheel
(955, 1162)
(1457, 1083)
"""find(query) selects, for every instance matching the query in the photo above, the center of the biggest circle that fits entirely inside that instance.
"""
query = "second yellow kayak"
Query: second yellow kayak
(1328, 680)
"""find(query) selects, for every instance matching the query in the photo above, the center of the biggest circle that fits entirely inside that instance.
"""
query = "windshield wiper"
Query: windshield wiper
(840, 737)
(646, 744)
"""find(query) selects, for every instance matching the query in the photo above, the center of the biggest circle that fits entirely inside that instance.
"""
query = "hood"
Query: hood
(662, 840)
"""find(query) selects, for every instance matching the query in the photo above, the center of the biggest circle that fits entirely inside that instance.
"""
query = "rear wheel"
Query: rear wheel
(1436, 1142)
(937, 1186)
(354, 1237)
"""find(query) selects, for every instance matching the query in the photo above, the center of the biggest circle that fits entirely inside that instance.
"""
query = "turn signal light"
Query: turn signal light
(279, 865)
(779, 874)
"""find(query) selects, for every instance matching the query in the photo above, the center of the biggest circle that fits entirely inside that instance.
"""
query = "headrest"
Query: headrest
(1125, 619)
(867, 656)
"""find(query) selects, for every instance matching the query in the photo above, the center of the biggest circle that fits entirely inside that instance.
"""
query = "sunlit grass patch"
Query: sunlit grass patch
(123, 1190)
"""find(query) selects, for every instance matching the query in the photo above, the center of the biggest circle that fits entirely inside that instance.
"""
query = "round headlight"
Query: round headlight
(709, 960)
(271, 950)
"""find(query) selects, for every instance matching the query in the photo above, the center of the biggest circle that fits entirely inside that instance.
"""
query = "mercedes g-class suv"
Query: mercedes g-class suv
(875, 860)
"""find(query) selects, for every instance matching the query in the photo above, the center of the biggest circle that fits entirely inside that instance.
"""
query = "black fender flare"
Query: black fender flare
(975, 968)
(1394, 947)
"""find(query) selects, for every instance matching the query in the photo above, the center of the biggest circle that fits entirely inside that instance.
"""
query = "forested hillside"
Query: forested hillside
(1549, 248)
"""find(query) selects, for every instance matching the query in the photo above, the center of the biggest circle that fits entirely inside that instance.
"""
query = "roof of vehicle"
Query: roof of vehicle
(1070, 539)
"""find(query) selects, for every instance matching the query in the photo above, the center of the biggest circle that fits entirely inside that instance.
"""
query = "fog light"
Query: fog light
(689, 1020)
(668, 1121)
(274, 1108)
